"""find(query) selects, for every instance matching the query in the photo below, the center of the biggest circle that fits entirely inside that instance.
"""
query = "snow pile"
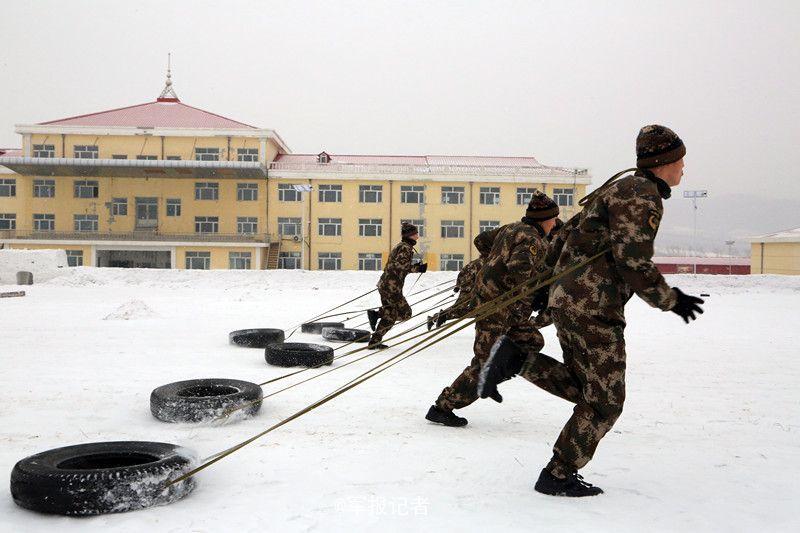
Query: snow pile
(45, 264)
(132, 310)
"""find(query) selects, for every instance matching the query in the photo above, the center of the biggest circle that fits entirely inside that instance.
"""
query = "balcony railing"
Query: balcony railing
(146, 235)
(463, 170)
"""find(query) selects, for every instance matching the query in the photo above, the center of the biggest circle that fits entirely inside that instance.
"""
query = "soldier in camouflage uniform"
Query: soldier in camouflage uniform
(464, 284)
(394, 307)
(587, 306)
(517, 252)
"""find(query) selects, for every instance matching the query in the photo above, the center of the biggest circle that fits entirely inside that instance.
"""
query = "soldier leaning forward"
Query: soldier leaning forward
(465, 282)
(518, 250)
(587, 306)
(394, 307)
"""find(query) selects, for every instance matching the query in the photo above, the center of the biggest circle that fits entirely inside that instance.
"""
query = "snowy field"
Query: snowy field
(709, 440)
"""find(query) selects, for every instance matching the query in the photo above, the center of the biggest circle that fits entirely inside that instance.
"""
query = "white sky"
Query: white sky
(566, 81)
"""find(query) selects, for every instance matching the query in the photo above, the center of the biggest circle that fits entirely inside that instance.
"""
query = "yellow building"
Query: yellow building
(776, 253)
(167, 185)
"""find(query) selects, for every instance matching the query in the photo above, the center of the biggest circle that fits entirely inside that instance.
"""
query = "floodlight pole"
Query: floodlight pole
(730, 256)
(694, 195)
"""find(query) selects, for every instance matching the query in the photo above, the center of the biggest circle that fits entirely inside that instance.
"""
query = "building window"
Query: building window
(330, 193)
(44, 222)
(452, 262)
(418, 222)
(370, 261)
(490, 195)
(119, 156)
(239, 260)
(329, 260)
(287, 193)
(206, 154)
(8, 187)
(87, 189)
(8, 221)
(452, 229)
(247, 192)
(452, 195)
(44, 150)
(246, 225)
(563, 197)
(330, 227)
(289, 227)
(86, 151)
(85, 222)
(247, 154)
(206, 224)
(370, 194)
(206, 190)
(488, 225)
(198, 260)
(74, 258)
(119, 206)
(173, 158)
(289, 260)
(323, 158)
(146, 157)
(173, 207)
(44, 188)
(370, 227)
(524, 195)
(412, 194)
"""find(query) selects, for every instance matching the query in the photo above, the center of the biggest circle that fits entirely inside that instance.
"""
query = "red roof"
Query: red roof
(432, 160)
(163, 113)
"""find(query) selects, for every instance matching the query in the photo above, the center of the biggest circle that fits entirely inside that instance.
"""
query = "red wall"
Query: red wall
(687, 268)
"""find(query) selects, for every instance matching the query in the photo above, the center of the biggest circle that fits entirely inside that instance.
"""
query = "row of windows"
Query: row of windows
(84, 151)
(366, 261)
(373, 227)
(47, 222)
(202, 260)
(203, 190)
(415, 194)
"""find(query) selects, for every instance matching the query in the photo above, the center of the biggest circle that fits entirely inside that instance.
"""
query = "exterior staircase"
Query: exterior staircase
(271, 257)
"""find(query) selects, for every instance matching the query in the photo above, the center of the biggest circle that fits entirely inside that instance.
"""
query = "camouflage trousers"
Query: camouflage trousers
(592, 376)
(464, 389)
(394, 308)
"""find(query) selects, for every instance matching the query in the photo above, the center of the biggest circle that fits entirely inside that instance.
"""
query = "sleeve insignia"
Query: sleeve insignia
(653, 220)
(533, 249)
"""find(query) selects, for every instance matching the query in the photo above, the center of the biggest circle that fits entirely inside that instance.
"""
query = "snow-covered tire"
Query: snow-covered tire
(346, 334)
(316, 327)
(102, 477)
(200, 400)
(256, 338)
(299, 354)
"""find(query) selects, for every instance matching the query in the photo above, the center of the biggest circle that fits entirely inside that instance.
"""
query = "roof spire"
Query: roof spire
(168, 94)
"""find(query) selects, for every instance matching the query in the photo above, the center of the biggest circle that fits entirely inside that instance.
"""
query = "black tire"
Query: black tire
(201, 400)
(299, 354)
(102, 477)
(346, 334)
(256, 338)
(316, 327)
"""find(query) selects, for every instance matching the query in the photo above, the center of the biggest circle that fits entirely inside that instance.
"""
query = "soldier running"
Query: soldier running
(517, 252)
(465, 282)
(587, 306)
(394, 307)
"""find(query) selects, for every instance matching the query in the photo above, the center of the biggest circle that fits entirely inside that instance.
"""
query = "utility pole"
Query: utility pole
(694, 195)
(300, 190)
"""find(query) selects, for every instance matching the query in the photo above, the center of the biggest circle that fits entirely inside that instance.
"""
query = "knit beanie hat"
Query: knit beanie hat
(541, 207)
(658, 145)
(407, 229)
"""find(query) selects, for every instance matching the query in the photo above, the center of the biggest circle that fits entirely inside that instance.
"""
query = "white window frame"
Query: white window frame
(324, 260)
(289, 260)
(489, 196)
(206, 224)
(564, 196)
(206, 154)
(119, 207)
(524, 195)
(81, 186)
(44, 150)
(412, 194)
(418, 222)
(324, 223)
(373, 260)
(8, 221)
(370, 227)
(206, 190)
(370, 194)
(146, 157)
(8, 187)
(451, 262)
(449, 227)
(80, 223)
(487, 225)
(293, 224)
(452, 194)
(44, 222)
(198, 260)
(43, 188)
(287, 193)
(119, 156)
(85, 151)
(240, 260)
(174, 205)
(74, 258)
(247, 154)
(329, 193)
(247, 192)
(244, 225)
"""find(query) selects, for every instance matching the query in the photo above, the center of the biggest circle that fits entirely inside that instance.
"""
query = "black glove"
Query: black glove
(687, 306)
(540, 298)
(422, 267)
(456, 289)
(505, 362)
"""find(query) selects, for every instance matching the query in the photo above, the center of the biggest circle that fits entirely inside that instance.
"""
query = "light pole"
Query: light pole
(694, 195)
(730, 256)
(300, 190)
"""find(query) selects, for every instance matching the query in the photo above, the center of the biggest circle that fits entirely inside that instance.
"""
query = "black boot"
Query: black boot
(572, 486)
(373, 317)
(431, 319)
(441, 318)
(448, 418)
(505, 362)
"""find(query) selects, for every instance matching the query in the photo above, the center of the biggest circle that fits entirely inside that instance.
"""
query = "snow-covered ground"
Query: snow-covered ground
(710, 437)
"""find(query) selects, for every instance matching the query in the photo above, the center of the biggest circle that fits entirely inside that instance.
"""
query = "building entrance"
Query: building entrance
(133, 259)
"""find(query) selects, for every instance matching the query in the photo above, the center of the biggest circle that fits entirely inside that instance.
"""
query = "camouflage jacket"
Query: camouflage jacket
(623, 217)
(465, 281)
(397, 267)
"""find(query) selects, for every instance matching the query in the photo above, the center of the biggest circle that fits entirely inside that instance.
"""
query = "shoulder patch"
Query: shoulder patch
(534, 249)
(653, 220)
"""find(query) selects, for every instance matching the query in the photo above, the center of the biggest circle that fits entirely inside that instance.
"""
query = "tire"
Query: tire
(201, 400)
(299, 354)
(316, 327)
(346, 334)
(256, 338)
(102, 477)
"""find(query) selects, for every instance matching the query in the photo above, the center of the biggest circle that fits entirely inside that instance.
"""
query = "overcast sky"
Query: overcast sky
(565, 81)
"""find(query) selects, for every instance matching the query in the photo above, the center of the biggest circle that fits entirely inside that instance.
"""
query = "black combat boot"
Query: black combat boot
(441, 318)
(448, 418)
(505, 362)
(572, 486)
(376, 346)
(431, 320)
(373, 317)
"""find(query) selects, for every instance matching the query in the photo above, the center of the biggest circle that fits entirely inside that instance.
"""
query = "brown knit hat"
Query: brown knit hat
(541, 207)
(658, 145)
(407, 229)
